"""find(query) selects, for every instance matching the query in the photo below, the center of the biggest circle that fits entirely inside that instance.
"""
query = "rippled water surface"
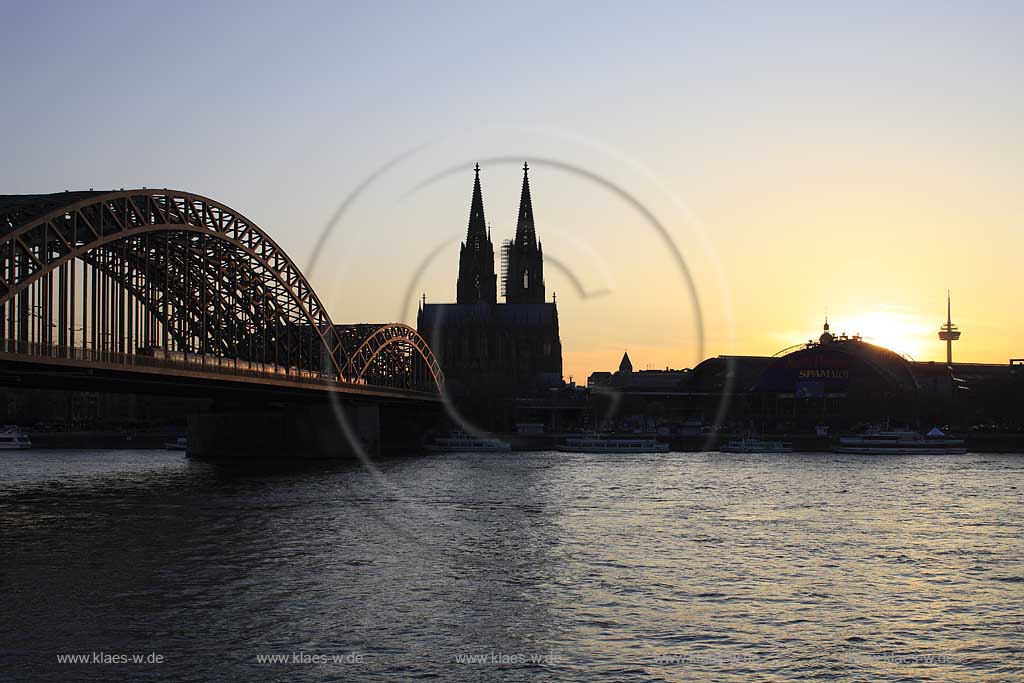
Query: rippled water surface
(545, 566)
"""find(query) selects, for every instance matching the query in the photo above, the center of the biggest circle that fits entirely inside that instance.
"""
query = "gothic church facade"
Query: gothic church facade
(487, 348)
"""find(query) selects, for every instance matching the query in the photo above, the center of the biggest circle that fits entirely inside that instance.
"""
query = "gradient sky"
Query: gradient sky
(856, 159)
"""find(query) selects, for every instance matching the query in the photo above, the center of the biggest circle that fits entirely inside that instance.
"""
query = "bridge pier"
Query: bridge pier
(297, 430)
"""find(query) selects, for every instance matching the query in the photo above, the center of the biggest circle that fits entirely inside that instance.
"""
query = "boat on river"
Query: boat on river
(461, 442)
(606, 443)
(755, 445)
(12, 438)
(873, 441)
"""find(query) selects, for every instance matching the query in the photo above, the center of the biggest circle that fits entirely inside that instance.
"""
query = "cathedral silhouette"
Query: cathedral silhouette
(492, 349)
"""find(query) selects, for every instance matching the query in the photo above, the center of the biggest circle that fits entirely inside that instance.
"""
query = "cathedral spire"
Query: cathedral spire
(526, 232)
(476, 233)
(477, 282)
(525, 259)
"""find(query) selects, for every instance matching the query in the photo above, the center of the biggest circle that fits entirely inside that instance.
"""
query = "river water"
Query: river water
(512, 567)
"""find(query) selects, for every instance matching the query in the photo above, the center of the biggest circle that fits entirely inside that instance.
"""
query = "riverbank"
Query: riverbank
(91, 439)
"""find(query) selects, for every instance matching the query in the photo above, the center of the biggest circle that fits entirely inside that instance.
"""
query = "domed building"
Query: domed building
(838, 378)
(835, 380)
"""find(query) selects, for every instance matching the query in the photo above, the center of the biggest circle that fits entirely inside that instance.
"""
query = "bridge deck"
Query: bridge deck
(23, 358)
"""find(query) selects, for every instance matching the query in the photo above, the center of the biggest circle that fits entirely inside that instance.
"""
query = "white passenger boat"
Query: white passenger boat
(461, 442)
(179, 444)
(603, 443)
(900, 442)
(12, 438)
(755, 445)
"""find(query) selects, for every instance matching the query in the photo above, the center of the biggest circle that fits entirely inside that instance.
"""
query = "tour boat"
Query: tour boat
(875, 441)
(755, 445)
(461, 442)
(12, 438)
(179, 444)
(603, 443)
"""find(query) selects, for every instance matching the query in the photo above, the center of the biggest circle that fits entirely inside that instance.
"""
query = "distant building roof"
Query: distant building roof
(625, 365)
(836, 366)
(738, 373)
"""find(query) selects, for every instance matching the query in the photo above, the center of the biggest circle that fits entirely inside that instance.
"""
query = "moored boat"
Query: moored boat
(875, 441)
(461, 442)
(12, 438)
(179, 444)
(755, 445)
(605, 443)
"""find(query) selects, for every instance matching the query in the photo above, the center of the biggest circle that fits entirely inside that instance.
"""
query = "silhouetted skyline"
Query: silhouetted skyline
(864, 181)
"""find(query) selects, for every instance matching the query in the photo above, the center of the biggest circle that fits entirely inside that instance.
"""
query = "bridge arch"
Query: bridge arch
(392, 343)
(146, 271)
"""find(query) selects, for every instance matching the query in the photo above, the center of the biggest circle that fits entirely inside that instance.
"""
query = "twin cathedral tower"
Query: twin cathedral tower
(522, 259)
(492, 349)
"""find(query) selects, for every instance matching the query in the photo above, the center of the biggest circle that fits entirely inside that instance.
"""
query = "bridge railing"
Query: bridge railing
(191, 363)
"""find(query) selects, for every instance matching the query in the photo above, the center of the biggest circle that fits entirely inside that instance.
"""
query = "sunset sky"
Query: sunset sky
(855, 160)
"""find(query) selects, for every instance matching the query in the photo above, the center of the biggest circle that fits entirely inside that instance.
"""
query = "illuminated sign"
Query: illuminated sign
(825, 373)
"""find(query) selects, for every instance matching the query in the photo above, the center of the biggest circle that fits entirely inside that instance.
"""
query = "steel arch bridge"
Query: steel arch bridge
(171, 279)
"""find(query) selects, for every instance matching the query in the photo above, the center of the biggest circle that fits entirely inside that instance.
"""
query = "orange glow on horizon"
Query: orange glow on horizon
(895, 329)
